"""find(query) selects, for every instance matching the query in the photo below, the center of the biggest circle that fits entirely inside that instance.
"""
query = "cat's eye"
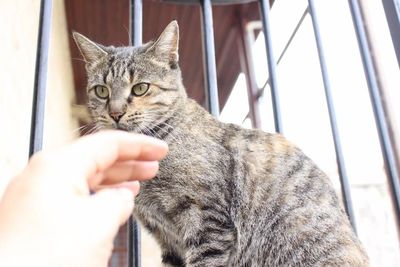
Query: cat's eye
(140, 89)
(101, 92)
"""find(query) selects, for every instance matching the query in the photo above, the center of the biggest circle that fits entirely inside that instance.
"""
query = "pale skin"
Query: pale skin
(48, 216)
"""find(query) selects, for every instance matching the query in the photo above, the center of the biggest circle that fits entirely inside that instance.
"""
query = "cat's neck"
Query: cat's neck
(188, 118)
(198, 116)
(191, 118)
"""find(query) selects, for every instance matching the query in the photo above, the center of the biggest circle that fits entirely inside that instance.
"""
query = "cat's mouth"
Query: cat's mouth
(121, 127)
(159, 130)
(126, 128)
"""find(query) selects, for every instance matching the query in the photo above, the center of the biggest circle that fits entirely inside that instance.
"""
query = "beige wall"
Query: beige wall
(17, 57)
(60, 126)
(18, 26)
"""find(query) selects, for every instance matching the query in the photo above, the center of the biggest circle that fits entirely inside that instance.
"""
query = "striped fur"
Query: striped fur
(224, 195)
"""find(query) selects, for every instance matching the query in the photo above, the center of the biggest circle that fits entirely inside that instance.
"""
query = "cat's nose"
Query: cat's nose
(116, 115)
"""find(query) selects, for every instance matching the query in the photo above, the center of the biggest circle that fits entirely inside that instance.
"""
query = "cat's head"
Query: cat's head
(133, 88)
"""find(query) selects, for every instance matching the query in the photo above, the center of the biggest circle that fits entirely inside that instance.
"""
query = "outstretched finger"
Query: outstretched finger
(133, 186)
(96, 153)
(125, 171)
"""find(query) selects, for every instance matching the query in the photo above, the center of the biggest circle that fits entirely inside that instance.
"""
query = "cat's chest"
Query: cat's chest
(187, 172)
(194, 157)
(182, 173)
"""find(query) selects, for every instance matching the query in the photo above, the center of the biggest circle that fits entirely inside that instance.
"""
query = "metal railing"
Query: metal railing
(264, 6)
(210, 67)
(39, 88)
(387, 148)
(344, 181)
(136, 24)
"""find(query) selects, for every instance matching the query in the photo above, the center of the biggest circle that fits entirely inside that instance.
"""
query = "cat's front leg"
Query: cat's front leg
(169, 256)
(207, 234)
(210, 247)
(171, 259)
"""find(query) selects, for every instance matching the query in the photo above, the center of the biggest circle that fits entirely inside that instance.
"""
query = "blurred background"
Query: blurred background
(243, 85)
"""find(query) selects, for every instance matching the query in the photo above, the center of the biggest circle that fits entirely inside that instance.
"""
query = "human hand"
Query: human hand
(49, 218)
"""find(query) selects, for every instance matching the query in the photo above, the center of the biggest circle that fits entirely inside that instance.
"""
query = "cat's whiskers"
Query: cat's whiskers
(141, 130)
(153, 133)
(163, 130)
(159, 114)
(171, 134)
(97, 127)
(147, 130)
(91, 130)
(80, 59)
(81, 128)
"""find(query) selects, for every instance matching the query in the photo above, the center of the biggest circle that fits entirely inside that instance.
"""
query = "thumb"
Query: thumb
(113, 207)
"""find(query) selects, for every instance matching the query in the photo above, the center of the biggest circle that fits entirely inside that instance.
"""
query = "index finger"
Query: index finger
(96, 153)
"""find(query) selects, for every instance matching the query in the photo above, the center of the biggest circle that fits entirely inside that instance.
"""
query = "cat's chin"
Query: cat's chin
(125, 128)
(121, 128)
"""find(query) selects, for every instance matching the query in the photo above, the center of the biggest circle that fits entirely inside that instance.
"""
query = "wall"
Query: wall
(19, 26)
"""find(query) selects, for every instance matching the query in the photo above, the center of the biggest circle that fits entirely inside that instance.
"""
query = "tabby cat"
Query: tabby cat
(224, 195)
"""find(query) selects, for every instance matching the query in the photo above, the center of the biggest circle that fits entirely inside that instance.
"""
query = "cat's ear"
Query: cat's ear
(89, 49)
(166, 46)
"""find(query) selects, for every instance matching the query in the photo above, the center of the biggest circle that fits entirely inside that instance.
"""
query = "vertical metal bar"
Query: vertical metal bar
(264, 6)
(392, 11)
(136, 17)
(344, 182)
(381, 74)
(247, 65)
(289, 42)
(210, 69)
(39, 89)
(380, 118)
(134, 252)
(134, 243)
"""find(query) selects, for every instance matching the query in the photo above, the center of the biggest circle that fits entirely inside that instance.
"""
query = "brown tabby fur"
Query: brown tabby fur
(224, 195)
